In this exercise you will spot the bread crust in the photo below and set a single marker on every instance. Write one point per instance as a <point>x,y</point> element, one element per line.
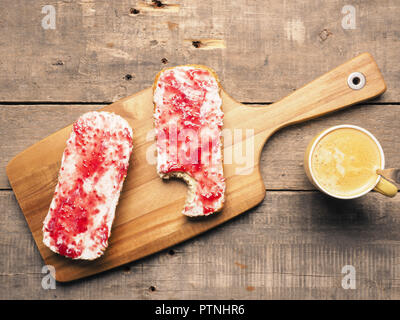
<point>190,181</point>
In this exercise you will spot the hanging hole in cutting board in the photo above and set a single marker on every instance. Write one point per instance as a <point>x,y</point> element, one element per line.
<point>356,80</point>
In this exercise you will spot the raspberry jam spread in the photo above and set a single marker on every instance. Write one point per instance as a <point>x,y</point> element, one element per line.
<point>94,165</point>
<point>188,122</point>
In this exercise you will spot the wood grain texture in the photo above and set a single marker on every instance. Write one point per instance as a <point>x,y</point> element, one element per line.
<point>292,246</point>
<point>295,243</point>
<point>144,226</point>
<point>263,50</point>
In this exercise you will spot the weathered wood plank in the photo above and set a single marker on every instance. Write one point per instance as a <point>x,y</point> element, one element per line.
<point>22,126</point>
<point>262,50</point>
<point>292,246</point>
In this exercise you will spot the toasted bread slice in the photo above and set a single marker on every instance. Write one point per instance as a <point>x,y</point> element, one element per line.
<point>93,168</point>
<point>188,120</point>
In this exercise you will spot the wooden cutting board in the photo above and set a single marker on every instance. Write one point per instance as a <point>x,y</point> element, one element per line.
<point>148,216</point>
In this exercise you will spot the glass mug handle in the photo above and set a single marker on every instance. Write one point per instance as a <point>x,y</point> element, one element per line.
<point>386,188</point>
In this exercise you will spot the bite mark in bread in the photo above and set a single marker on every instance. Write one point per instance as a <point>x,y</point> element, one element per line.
<point>188,120</point>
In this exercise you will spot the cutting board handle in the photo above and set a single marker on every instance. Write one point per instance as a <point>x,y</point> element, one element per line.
<point>354,81</point>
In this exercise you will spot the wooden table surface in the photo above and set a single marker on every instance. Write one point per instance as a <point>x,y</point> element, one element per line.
<point>293,245</point>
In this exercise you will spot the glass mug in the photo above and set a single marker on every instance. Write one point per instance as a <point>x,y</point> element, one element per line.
<point>341,161</point>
